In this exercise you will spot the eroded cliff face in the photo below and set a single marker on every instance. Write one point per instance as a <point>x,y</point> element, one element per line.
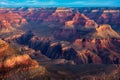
<point>10,20</point>
<point>53,50</point>
<point>81,20</point>
<point>61,15</point>
<point>89,18</point>
<point>99,50</point>
<point>105,16</point>
<point>38,15</point>
<point>109,17</point>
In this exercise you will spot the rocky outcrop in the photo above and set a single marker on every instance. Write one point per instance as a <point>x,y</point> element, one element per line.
<point>38,15</point>
<point>81,20</point>
<point>10,57</point>
<point>84,50</point>
<point>106,31</point>
<point>3,46</point>
<point>17,66</point>
<point>5,27</point>
<point>53,50</point>
<point>86,56</point>
<point>60,15</point>
<point>91,24</point>
<point>9,20</point>
<point>104,16</point>
<point>12,19</point>
<point>13,63</point>
<point>103,50</point>
<point>109,17</point>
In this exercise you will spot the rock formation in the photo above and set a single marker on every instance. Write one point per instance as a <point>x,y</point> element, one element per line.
<point>9,20</point>
<point>103,49</point>
<point>106,31</point>
<point>13,63</point>
<point>81,20</point>
<point>60,15</point>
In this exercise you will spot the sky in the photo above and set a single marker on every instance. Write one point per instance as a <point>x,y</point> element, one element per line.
<point>59,3</point>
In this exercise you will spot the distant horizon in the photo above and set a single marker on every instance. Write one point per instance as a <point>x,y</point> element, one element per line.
<point>62,7</point>
<point>58,3</point>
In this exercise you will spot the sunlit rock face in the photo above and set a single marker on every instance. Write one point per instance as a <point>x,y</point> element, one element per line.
<point>3,46</point>
<point>13,63</point>
<point>106,31</point>
<point>5,27</point>
<point>12,56</point>
<point>86,56</point>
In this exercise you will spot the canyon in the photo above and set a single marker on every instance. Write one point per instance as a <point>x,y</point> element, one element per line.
<point>51,43</point>
<point>16,65</point>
